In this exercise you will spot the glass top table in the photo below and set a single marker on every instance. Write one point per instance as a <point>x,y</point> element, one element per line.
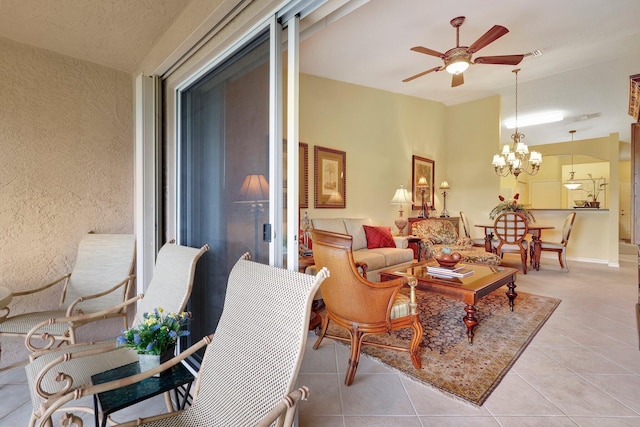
<point>114,400</point>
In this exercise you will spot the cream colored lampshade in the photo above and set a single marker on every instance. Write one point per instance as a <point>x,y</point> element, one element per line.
<point>254,189</point>
<point>401,197</point>
<point>444,185</point>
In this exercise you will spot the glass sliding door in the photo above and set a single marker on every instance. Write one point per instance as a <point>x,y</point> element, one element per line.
<point>223,174</point>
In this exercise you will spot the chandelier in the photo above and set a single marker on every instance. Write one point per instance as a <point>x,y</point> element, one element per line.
<point>516,158</point>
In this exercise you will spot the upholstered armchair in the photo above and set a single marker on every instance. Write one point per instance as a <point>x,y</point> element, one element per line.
<point>437,234</point>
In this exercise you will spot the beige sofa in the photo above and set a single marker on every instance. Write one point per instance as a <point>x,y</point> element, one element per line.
<point>377,259</point>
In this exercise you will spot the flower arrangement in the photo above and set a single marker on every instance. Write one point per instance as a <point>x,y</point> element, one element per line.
<point>596,187</point>
<point>512,206</point>
<point>156,333</point>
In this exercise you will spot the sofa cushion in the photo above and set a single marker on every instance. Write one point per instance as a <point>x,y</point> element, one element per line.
<point>378,237</point>
<point>354,227</point>
<point>393,256</point>
<point>374,260</point>
<point>335,225</point>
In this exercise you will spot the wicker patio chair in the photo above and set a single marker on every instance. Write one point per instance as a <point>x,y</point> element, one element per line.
<point>100,280</point>
<point>362,307</point>
<point>170,288</point>
<point>250,366</point>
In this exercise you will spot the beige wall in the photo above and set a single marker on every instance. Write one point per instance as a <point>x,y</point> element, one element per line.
<point>379,131</point>
<point>66,138</point>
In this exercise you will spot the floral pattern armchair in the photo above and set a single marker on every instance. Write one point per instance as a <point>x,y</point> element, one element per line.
<point>437,234</point>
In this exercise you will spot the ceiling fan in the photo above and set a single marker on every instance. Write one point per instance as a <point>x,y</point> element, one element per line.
<point>457,59</point>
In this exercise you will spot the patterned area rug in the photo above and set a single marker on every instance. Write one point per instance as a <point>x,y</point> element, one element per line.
<point>449,363</point>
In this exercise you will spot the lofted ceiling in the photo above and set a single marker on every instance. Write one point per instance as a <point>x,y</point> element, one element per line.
<point>589,49</point>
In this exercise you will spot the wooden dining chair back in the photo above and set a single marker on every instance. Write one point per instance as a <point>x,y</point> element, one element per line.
<point>561,247</point>
<point>511,228</point>
<point>360,306</point>
<point>101,278</point>
<point>250,365</point>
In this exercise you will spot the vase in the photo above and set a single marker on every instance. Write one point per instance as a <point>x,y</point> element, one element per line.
<point>594,205</point>
<point>150,361</point>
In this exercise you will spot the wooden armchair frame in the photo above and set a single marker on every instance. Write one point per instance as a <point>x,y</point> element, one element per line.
<point>359,306</point>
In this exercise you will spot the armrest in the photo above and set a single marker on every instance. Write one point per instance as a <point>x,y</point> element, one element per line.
<point>126,283</point>
<point>42,288</point>
<point>72,321</point>
<point>51,406</point>
<point>402,242</point>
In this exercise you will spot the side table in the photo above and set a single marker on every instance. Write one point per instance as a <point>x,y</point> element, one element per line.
<point>415,240</point>
<point>177,378</point>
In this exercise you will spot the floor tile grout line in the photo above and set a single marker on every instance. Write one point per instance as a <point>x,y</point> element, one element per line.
<point>609,394</point>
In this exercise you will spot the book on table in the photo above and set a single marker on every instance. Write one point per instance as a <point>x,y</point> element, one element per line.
<point>461,271</point>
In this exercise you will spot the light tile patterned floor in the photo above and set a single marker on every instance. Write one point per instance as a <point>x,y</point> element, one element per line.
<point>582,369</point>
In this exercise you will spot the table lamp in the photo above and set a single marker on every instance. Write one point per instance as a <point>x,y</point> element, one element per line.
<point>401,197</point>
<point>423,185</point>
<point>444,185</point>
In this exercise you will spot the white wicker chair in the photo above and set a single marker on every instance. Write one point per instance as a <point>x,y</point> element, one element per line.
<point>250,366</point>
<point>170,288</point>
<point>100,280</point>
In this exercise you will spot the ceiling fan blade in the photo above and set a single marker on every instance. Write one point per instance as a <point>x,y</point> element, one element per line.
<point>408,79</point>
<point>457,80</point>
<point>490,36</point>
<point>502,60</point>
<point>427,51</point>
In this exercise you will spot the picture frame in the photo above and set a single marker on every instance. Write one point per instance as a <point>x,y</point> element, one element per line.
<point>422,167</point>
<point>330,175</point>
<point>303,175</point>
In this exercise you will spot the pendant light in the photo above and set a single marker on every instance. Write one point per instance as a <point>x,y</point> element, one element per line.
<point>571,184</point>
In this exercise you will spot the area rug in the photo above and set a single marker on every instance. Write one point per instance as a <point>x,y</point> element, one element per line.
<point>449,363</point>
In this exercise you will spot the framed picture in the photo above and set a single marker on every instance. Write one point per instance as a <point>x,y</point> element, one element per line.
<point>330,174</point>
<point>303,175</point>
<point>422,170</point>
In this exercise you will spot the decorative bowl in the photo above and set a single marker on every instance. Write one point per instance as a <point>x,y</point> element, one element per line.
<point>580,203</point>
<point>447,263</point>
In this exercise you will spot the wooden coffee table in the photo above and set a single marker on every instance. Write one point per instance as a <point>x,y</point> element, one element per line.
<point>484,280</point>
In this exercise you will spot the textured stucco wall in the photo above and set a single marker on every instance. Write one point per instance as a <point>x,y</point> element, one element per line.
<point>66,163</point>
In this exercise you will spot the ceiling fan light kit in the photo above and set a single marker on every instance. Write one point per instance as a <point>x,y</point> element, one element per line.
<point>458,59</point>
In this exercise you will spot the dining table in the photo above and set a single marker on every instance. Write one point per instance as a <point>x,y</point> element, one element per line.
<point>535,230</point>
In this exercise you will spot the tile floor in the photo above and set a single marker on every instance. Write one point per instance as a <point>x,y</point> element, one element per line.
<point>582,369</point>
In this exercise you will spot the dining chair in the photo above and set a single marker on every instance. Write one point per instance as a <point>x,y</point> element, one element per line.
<point>100,279</point>
<point>561,247</point>
<point>360,306</point>
<point>511,228</point>
<point>250,365</point>
<point>478,242</point>
<point>52,373</point>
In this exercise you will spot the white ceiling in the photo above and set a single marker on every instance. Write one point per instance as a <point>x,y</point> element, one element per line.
<point>590,47</point>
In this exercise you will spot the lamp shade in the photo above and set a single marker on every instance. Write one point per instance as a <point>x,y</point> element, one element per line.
<point>444,185</point>
<point>255,188</point>
<point>422,182</point>
<point>402,197</point>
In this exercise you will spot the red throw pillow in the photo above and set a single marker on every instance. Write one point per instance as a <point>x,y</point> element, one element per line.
<point>379,237</point>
